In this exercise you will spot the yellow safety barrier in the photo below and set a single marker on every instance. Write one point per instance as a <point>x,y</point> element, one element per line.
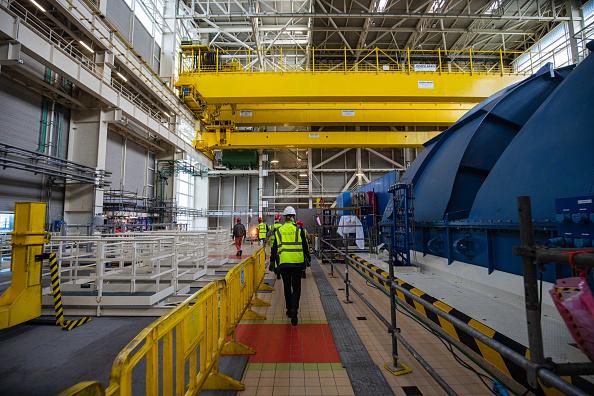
<point>194,333</point>
<point>22,300</point>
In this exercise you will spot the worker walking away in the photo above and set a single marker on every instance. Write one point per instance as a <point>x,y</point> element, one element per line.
<point>290,247</point>
<point>307,263</point>
<point>277,224</point>
<point>238,234</point>
<point>262,232</point>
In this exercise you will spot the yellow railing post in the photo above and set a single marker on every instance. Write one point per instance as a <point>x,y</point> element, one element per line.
<point>501,60</point>
<point>376,61</point>
<point>531,66</point>
<point>408,58</point>
<point>250,60</point>
<point>217,65</point>
<point>22,300</point>
<point>345,61</point>
<point>313,59</point>
<point>470,54</point>
<point>281,60</point>
<point>439,55</point>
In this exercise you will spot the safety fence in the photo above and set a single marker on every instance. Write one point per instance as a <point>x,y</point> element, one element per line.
<point>345,60</point>
<point>191,336</point>
<point>133,269</point>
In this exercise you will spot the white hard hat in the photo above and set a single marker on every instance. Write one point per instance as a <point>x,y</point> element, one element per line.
<point>289,210</point>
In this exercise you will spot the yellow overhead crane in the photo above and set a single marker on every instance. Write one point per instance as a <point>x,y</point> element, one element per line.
<point>380,87</point>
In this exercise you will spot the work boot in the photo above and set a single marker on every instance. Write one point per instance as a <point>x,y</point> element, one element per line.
<point>278,275</point>
<point>240,253</point>
<point>293,316</point>
<point>303,274</point>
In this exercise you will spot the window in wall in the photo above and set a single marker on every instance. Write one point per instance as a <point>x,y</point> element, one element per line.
<point>554,48</point>
<point>6,222</point>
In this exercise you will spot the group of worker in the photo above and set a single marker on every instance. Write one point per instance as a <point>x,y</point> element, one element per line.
<point>289,255</point>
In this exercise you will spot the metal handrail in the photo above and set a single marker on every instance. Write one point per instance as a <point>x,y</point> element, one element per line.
<point>202,321</point>
<point>66,47</point>
<point>345,60</point>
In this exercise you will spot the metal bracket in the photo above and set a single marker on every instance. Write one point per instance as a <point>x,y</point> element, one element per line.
<point>41,257</point>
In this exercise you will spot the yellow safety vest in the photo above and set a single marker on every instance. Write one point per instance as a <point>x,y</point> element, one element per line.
<point>262,230</point>
<point>289,244</point>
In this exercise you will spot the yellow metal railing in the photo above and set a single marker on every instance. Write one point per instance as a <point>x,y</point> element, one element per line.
<point>345,60</point>
<point>193,334</point>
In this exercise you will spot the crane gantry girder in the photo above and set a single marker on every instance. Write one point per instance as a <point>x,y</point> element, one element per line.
<point>352,139</point>
<point>326,113</point>
<point>316,87</point>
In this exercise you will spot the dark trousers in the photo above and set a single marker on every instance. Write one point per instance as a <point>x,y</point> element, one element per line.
<point>292,283</point>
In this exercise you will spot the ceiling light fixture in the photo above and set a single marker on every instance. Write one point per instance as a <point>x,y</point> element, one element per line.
<point>37,5</point>
<point>121,76</point>
<point>86,46</point>
<point>303,175</point>
<point>274,161</point>
<point>167,115</point>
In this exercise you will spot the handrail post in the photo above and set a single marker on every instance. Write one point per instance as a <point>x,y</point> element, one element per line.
<point>470,54</point>
<point>217,65</point>
<point>313,59</point>
<point>532,303</point>
<point>376,61</point>
<point>439,55</point>
<point>250,60</point>
<point>345,61</point>
<point>408,58</point>
<point>281,65</point>
<point>199,60</point>
<point>501,60</point>
<point>346,269</point>
<point>531,66</point>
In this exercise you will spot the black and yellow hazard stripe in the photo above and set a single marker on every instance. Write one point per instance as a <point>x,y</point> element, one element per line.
<point>68,324</point>
<point>506,366</point>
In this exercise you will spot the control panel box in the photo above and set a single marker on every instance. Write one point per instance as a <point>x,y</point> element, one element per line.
<point>575,220</point>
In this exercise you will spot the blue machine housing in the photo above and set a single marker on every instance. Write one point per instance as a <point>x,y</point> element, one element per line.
<point>533,138</point>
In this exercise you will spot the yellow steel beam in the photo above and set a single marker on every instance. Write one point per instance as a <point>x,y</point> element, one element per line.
<point>298,114</point>
<point>218,88</point>
<point>266,140</point>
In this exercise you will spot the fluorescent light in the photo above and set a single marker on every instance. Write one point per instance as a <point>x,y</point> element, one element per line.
<point>121,76</point>
<point>87,47</point>
<point>303,175</point>
<point>274,161</point>
<point>359,174</point>
<point>167,115</point>
<point>37,5</point>
<point>298,32</point>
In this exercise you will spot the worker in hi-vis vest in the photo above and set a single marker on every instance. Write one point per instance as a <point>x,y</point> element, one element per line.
<point>277,224</point>
<point>300,223</point>
<point>290,247</point>
<point>262,232</point>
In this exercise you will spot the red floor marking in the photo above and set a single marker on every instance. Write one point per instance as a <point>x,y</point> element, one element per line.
<point>283,343</point>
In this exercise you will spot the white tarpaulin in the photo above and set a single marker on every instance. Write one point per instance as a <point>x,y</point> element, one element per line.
<point>352,225</point>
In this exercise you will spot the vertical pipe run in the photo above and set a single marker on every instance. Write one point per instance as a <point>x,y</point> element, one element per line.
<point>530,289</point>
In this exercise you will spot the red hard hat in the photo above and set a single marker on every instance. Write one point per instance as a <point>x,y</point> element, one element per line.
<point>277,217</point>
<point>238,219</point>
<point>299,222</point>
<point>259,219</point>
